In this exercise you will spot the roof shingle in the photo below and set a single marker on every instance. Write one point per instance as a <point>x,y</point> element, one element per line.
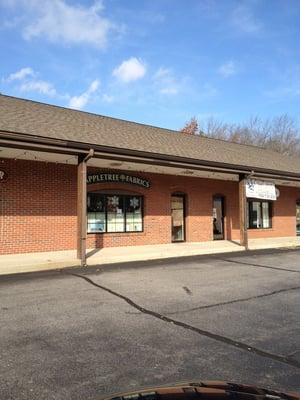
<point>43,120</point>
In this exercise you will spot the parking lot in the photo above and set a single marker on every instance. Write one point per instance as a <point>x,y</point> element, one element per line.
<point>85,333</point>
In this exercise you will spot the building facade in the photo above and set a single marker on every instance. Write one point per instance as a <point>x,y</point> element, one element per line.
<point>39,209</point>
<point>62,193</point>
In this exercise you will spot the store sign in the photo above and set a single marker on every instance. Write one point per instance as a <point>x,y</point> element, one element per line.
<point>3,176</point>
<point>260,189</point>
<point>112,177</point>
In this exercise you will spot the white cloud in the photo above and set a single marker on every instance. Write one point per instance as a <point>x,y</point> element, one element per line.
<point>162,73</point>
<point>107,98</point>
<point>130,70</point>
<point>62,22</point>
<point>227,69</point>
<point>169,90</point>
<point>39,86</point>
<point>80,101</point>
<point>284,92</point>
<point>28,82</point>
<point>166,82</point>
<point>245,21</point>
<point>20,75</point>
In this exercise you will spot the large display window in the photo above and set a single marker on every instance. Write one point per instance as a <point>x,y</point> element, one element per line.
<point>114,213</point>
<point>259,214</point>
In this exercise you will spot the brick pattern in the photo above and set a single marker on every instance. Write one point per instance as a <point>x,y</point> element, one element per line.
<point>38,209</point>
<point>283,215</point>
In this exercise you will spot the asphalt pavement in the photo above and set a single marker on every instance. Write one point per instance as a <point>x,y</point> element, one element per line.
<point>85,333</point>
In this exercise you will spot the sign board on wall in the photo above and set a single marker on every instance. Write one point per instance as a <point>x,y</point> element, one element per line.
<point>113,177</point>
<point>260,189</point>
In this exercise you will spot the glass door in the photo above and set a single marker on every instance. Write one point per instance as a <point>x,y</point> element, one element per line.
<point>218,218</point>
<point>177,214</point>
<point>298,218</point>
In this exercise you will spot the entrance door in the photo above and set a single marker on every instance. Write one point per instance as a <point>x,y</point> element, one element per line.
<point>218,217</point>
<point>177,214</point>
<point>298,218</point>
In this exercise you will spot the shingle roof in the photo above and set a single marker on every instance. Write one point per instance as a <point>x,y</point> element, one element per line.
<point>43,120</point>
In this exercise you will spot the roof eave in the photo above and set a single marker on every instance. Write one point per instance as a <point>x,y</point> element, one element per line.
<point>40,143</point>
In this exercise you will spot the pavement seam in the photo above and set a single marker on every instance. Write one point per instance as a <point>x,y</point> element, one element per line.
<point>219,338</point>
<point>257,265</point>
<point>234,301</point>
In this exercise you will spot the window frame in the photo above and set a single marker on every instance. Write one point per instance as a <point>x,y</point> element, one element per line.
<point>124,196</point>
<point>249,212</point>
<point>183,196</point>
<point>297,205</point>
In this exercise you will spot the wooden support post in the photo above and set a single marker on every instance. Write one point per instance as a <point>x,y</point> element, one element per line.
<point>243,212</point>
<point>81,206</point>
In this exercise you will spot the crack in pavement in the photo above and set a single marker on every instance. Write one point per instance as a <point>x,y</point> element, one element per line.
<point>234,301</point>
<point>294,353</point>
<point>219,338</point>
<point>257,265</point>
<point>226,302</point>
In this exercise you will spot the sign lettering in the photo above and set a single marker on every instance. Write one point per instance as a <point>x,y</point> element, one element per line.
<point>112,177</point>
<point>260,189</point>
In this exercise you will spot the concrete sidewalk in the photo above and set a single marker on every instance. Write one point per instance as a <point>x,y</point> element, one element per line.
<point>18,263</point>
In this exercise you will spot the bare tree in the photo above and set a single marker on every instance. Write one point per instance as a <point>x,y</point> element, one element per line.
<point>280,133</point>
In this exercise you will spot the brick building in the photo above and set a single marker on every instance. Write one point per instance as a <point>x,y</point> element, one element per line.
<point>74,180</point>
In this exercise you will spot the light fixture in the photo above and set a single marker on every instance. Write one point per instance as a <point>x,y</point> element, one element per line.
<point>188,172</point>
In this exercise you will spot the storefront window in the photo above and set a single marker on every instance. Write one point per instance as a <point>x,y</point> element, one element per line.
<point>134,220</point>
<point>114,213</point>
<point>298,218</point>
<point>259,214</point>
<point>96,213</point>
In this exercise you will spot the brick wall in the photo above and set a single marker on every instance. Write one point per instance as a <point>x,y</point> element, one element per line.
<point>38,209</point>
<point>283,215</point>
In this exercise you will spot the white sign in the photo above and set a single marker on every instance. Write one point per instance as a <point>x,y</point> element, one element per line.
<point>260,189</point>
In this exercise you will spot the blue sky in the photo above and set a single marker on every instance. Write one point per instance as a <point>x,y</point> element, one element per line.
<point>154,61</point>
